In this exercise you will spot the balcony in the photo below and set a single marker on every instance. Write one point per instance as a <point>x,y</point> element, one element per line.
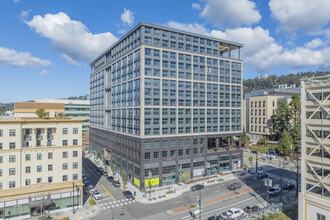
<point>27,137</point>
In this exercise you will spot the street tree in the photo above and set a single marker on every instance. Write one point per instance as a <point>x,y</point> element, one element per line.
<point>285,143</point>
<point>245,138</point>
<point>281,119</point>
<point>295,106</point>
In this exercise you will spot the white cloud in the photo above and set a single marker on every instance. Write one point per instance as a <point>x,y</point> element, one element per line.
<point>127,17</point>
<point>24,14</point>
<point>70,37</point>
<point>314,43</point>
<point>44,73</point>
<point>17,1</point>
<point>196,6</point>
<point>11,57</point>
<point>260,51</point>
<point>307,15</point>
<point>231,13</point>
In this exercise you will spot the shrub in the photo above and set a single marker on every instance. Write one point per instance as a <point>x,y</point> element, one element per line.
<point>43,217</point>
<point>92,202</point>
<point>219,180</point>
<point>169,192</point>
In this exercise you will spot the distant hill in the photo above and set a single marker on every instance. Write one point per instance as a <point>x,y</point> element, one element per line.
<point>273,80</point>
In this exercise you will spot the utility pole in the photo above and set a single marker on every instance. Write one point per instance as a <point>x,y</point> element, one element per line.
<point>267,190</point>
<point>281,167</point>
<point>200,205</point>
<point>256,160</point>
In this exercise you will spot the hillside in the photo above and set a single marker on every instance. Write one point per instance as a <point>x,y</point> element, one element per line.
<point>273,80</point>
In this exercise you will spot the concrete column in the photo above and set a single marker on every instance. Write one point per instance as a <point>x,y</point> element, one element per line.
<point>229,141</point>
<point>217,144</point>
<point>239,141</point>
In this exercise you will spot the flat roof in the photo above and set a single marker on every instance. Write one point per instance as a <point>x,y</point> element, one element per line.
<point>164,28</point>
<point>41,120</point>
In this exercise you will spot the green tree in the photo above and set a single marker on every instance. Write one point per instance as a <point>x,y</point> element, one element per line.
<point>263,141</point>
<point>285,143</point>
<point>295,106</point>
<point>112,168</point>
<point>41,113</point>
<point>123,176</point>
<point>295,134</point>
<point>244,139</point>
<point>281,119</point>
<point>3,110</point>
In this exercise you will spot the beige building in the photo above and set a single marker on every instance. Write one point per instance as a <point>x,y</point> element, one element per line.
<point>314,199</point>
<point>40,165</point>
<point>28,109</point>
<point>261,109</point>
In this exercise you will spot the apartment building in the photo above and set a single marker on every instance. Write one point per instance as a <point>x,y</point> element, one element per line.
<point>25,110</point>
<point>75,109</point>
<point>314,199</point>
<point>260,106</point>
<point>40,165</point>
<point>166,104</point>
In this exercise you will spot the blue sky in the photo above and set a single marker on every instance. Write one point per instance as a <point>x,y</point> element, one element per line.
<point>46,46</point>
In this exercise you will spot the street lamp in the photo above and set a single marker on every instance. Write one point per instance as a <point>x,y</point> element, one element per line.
<point>72,197</point>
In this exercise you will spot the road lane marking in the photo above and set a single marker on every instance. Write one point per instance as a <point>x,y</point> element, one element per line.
<point>177,202</point>
<point>108,193</point>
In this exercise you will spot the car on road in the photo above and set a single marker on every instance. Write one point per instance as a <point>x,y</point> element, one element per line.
<point>87,183</point>
<point>197,187</point>
<point>215,217</point>
<point>234,186</point>
<point>128,194</point>
<point>234,213</point>
<point>100,169</point>
<point>249,209</point>
<point>116,183</point>
<point>104,173</point>
<point>288,186</point>
<point>110,179</point>
<point>96,195</point>
<point>274,191</point>
<point>262,175</point>
<point>223,216</point>
<point>252,171</point>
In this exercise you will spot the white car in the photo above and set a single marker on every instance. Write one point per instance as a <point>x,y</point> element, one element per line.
<point>234,213</point>
<point>274,191</point>
<point>97,195</point>
<point>277,186</point>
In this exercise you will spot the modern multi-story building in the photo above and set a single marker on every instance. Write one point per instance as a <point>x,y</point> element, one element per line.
<point>166,104</point>
<point>260,106</point>
<point>40,165</point>
<point>75,109</point>
<point>314,199</point>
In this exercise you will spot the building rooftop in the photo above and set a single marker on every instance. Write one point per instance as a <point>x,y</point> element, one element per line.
<point>65,101</point>
<point>164,28</point>
<point>41,120</point>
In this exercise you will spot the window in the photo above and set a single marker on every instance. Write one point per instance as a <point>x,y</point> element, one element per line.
<point>12,184</point>
<point>50,179</point>
<point>39,156</point>
<point>12,132</point>
<point>0,146</point>
<point>164,154</point>
<point>65,178</point>
<point>64,131</point>
<point>180,152</point>
<point>50,155</point>
<point>27,182</point>
<point>12,145</point>
<point>75,142</point>
<point>0,172</point>
<point>320,216</point>
<point>173,153</point>
<point>1,133</point>
<point>156,154</point>
<point>50,167</point>
<point>65,154</point>
<point>147,155</point>
<point>75,153</point>
<point>39,180</point>
<point>75,130</point>
<point>39,168</point>
<point>12,158</point>
<point>65,142</point>
<point>75,165</point>
<point>12,171</point>
<point>74,176</point>
<point>0,159</point>
<point>187,151</point>
<point>65,166</point>
<point>27,169</point>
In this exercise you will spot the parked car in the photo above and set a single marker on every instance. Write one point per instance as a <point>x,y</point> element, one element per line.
<point>197,187</point>
<point>234,186</point>
<point>235,213</point>
<point>274,191</point>
<point>90,186</point>
<point>214,218</point>
<point>288,186</point>
<point>252,171</point>
<point>104,173</point>
<point>128,194</point>
<point>277,186</point>
<point>262,175</point>
<point>87,183</point>
<point>110,179</point>
<point>97,195</point>
<point>223,216</point>
<point>116,183</point>
<point>100,169</point>
<point>249,209</point>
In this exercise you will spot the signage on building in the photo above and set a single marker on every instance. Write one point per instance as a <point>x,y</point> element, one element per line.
<point>136,181</point>
<point>152,182</point>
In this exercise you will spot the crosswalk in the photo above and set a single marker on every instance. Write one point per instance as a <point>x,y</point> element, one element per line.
<point>285,179</point>
<point>115,204</point>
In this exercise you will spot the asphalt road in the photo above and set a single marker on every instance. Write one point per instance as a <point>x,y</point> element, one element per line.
<point>115,203</point>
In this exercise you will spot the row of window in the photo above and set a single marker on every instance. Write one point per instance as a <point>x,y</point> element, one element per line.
<point>172,153</point>
<point>12,184</point>
<point>256,120</point>
<point>256,112</point>
<point>256,128</point>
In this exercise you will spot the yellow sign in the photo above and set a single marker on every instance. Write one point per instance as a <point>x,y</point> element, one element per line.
<point>152,182</point>
<point>136,181</point>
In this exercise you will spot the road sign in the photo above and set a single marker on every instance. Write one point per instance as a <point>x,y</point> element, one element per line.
<point>270,183</point>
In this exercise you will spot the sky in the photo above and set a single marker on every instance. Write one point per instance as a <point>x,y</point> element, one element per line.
<point>46,45</point>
